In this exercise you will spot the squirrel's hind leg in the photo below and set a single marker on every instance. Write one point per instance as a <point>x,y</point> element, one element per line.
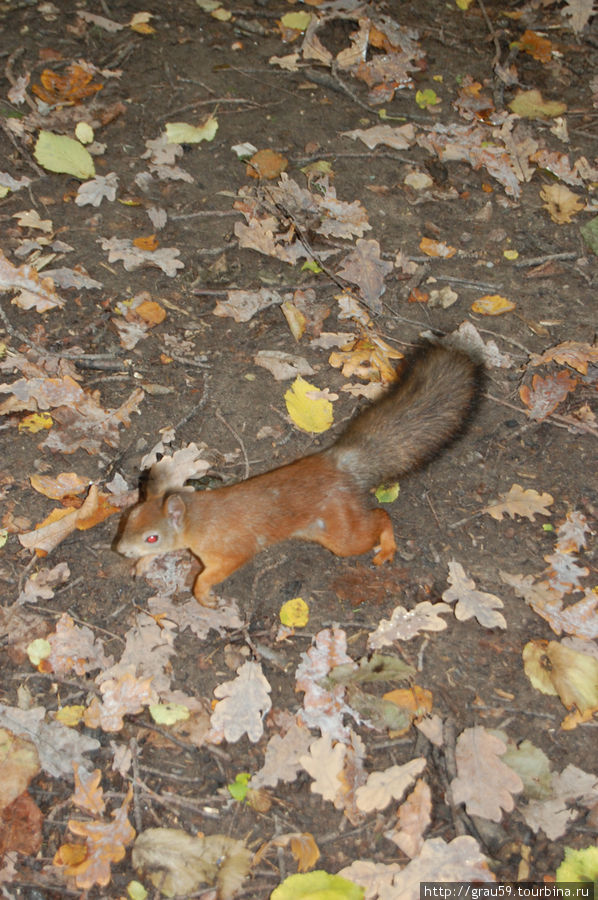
<point>357,533</point>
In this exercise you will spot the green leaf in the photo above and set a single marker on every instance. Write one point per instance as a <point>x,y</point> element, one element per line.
<point>578,865</point>
<point>58,153</point>
<point>238,789</point>
<point>387,493</point>
<point>318,885</point>
<point>427,98</point>
<point>312,266</point>
<point>589,232</point>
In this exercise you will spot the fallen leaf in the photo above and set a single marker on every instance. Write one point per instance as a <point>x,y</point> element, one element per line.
<point>484,783</point>
<point>472,603</point>
<point>242,704</point>
<point>546,394</point>
<point>382,787</point>
<point>266,164</point>
<point>520,502</point>
<point>531,105</point>
<point>62,154</point>
<point>561,203</point>
<point>492,305</point>
<point>309,413</point>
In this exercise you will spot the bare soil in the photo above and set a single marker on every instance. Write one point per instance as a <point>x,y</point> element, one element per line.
<point>213,392</point>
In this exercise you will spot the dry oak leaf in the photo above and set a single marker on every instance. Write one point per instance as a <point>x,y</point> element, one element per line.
<point>106,842</point>
<point>546,394</point>
<point>243,704</point>
<point>561,203</point>
<point>580,618</point>
<point>324,707</point>
<point>165,258</point>
<point>382,787</point>
<point>571,533</point>
<point>554,815</point>
<point>88,794</point>
<point>483,783</point>
<point>564,573</point>
<point>41,585</point>
<point>579,13</point>
<point>435,248</point>
<point>21,826</point>
<point>472,603</point>
<point>34,292</point>
<point>364,267</point>
<point>57,90</point>
<point>413,817</point>
<point>405,624</point>
<point>57,745</point>
<point>471,143</point>
<point>126,695</point>
<point>75,648</point>
<point>461,859</point>
<point>191,614</point>
<point>325,765</point>
<point>303,847</point>
<point>243,305</point>
<point>282,760</point>
<point>66,484</point>
<point>520,502</point>
<point>60,524</point>
<point>397,138</point>
<point>570,353</point>
<point>19,764</point>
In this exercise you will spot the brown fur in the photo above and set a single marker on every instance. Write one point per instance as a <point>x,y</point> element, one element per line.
<point>323,497</point>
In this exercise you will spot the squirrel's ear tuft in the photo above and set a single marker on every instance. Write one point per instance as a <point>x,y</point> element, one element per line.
<point>174,510</point>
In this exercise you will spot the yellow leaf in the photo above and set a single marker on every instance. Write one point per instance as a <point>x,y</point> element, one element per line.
<point>140,23</point>
<point>136,890</point>
<point>183,133</point>
<point>222,14</point>
<point>311,414</point>
<point>36,422</point>
<point>38,650</point>
<point>84,133</point>
<point>511,254</point>
<point>298,21</point>
<point>58,153</point>
<point>294,613</point>
<point>492,305</point>
<point>169,713</point>
<point>295,319</point>
<point>532,105</point>
<point>70,715</point>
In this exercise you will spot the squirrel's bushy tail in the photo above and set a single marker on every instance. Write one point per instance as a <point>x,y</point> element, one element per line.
<point>413,421</point>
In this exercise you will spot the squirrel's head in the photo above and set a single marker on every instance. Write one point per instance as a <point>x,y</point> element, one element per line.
<point>156,526</point>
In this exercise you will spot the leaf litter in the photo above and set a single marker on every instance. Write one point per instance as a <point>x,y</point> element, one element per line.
<point>215,289</point>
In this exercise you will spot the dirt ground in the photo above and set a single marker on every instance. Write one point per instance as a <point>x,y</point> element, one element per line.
<point>200,378</point>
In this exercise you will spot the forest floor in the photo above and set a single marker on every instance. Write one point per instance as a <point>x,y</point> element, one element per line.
<point>178,299</point>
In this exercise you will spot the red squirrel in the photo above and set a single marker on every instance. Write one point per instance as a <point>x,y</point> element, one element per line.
<point>324,497</point>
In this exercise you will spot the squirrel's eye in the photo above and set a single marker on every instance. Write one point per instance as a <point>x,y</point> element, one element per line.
<point>151,539</point>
